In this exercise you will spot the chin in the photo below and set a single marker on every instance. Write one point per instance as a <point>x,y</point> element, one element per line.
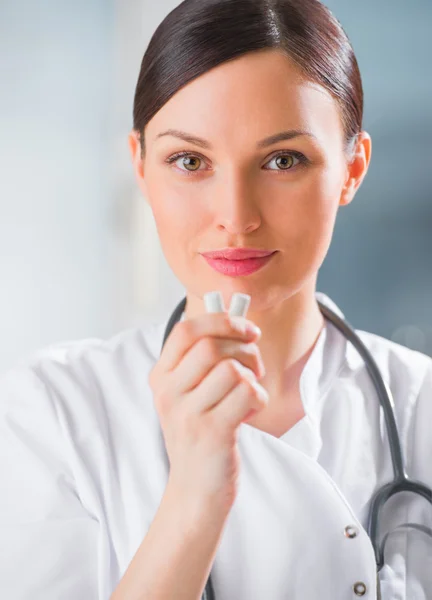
<point>263,294</point>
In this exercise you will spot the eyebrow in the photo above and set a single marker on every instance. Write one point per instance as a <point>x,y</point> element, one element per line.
<point>268,141</point>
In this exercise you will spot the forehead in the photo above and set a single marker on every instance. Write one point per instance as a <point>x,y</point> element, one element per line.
<point>248,98</point>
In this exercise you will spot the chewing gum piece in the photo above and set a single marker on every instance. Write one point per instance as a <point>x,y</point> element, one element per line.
<point>239,305</point>
<point>214,302</point>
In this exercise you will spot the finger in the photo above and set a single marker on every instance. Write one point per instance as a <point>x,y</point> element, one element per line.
<point>221,380</point>
<point>237,405</point>
<point>206,354</point>
<point>186,333</point>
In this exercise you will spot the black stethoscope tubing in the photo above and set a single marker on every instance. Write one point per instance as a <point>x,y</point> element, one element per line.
<point>401,482</point>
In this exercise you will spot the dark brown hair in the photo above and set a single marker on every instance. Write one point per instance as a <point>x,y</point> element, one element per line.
<point>199,35</point>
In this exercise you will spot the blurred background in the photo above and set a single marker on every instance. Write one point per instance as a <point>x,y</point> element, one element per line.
<point>79,254</point>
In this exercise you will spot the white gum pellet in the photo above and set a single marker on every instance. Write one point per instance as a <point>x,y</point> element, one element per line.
<point>214,302</point>
<point>239,305</point>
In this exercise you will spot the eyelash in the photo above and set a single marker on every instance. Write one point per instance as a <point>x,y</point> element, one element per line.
<point>300,157</point>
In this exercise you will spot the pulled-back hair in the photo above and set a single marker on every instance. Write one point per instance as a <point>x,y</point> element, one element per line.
<point>199,35</point>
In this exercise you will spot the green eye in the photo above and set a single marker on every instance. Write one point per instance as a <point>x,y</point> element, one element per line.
<point>285,161</point>
<point>191,161</point>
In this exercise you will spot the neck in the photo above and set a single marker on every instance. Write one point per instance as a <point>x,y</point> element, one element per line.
<point>290,331</point>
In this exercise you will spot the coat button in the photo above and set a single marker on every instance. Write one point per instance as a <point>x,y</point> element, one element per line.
<point>360,588</point>
<point>351,531</point>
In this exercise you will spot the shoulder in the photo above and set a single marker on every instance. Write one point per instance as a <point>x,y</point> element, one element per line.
<point>78,375</point>
<point>408,375</point>
<point>142,339</point>
<point>63,407</point>
<point>400,367</point>
<point>403,369</point>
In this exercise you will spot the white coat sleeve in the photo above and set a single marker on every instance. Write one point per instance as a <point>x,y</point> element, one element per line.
<point>48,542</point>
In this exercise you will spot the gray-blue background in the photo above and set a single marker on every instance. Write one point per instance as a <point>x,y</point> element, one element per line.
<point>379,267</point>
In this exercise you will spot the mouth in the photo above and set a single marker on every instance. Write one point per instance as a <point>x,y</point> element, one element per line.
<point>238,262</point>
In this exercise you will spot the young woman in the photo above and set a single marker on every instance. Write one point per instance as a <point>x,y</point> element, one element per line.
<point>133,469</point>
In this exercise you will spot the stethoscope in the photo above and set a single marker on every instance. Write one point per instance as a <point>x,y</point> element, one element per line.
<point>400,483</point>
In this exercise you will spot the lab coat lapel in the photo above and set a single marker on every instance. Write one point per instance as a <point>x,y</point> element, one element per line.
<point>288,507</point>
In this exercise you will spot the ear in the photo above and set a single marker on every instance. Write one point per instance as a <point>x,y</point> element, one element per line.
<point>137,161</point>
<point>357,168</point>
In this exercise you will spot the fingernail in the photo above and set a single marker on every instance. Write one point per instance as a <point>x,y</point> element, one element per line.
<point>253,329</point>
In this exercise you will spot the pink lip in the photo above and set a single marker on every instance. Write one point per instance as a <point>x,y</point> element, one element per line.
<point>249,262</point>
<point>237,253</point>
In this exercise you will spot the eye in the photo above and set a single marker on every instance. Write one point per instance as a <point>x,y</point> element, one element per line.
<point>191,163</point>
<point>285,160</point>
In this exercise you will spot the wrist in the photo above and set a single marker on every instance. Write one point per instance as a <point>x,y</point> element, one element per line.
<point>192,510</point>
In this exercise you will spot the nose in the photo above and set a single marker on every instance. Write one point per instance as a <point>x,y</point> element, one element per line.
<point>235,206</point>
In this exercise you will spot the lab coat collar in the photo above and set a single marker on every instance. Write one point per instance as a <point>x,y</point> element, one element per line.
<point>325,361</point>
<point>324,364</point>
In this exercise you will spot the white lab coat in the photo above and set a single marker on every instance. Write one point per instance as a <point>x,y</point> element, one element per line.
<point>83,469</point>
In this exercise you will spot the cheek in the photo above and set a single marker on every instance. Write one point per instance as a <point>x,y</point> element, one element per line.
<point>323,204</point>
<point>177,216</point>
<point>305,215</point>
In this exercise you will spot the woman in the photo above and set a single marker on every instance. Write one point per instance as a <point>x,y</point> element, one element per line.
<point>248,454</point>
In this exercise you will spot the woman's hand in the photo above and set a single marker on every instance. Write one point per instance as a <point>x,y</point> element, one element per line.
<point>205,384</point>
